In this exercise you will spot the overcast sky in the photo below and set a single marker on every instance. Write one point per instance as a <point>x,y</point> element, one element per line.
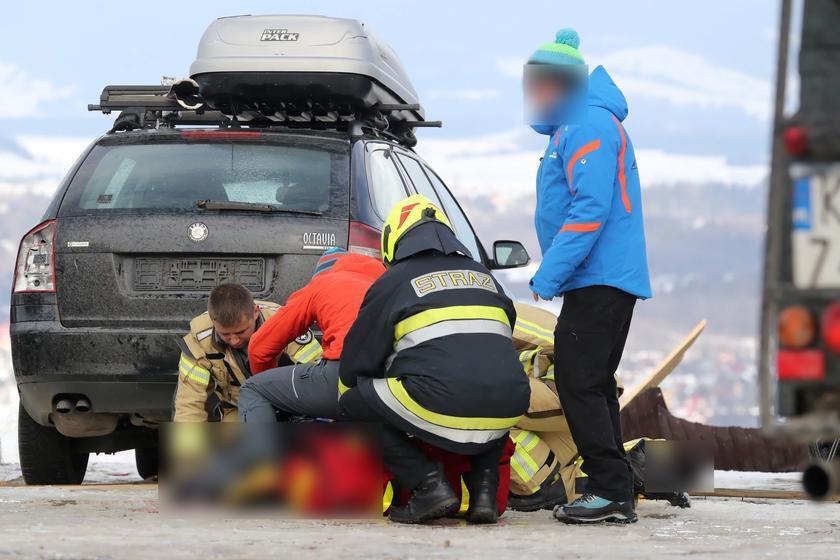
<point>697,75</point>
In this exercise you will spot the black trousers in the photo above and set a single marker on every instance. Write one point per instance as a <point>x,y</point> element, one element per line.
<point>588,343</point>
<point>400,453</point>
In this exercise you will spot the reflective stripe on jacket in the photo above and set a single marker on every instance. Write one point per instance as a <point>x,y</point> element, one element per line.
<point>432,342</point>
<point>209,375</point>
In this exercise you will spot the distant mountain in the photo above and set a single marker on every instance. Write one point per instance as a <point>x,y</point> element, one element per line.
<point>704,248</point>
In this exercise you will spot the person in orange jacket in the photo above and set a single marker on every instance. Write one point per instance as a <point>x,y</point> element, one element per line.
<point>331,299</point>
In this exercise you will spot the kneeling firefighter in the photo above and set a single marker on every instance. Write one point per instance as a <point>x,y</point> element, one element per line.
<point>214,361</point>
<point>430,356</point>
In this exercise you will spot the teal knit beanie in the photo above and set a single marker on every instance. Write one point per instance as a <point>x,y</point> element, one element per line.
<point>564,49</point>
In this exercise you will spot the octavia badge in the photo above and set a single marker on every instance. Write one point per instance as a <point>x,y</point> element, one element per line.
<point>198,232</point>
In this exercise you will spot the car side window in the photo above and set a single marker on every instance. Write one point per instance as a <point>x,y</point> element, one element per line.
<point>419,179</point>
<point>385,186</point>
<point>462,226</point>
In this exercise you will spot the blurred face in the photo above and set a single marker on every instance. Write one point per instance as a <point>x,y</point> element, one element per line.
<point>543,94</point>
<point>237,336</point>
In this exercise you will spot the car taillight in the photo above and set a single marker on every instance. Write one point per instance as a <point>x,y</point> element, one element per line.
<point>364,240</point>
<point>797,327</point>
<point>796,140</point>
<point>35,267</point>
<point>831,327</point>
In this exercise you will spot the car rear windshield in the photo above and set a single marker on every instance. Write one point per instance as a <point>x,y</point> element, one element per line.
<point>173,176</point>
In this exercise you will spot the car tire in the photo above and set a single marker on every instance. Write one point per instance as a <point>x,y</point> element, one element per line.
<point>146,459</point>
<point>46,456</point>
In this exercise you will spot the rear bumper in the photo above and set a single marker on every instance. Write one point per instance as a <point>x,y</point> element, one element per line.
<point>148,396</point>
<point>119,371</point>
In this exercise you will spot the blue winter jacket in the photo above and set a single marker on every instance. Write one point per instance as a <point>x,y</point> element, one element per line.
<point>589,204</point>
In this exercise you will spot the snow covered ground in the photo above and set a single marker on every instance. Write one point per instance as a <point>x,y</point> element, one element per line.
<point>124,521</point>
<point>115,515</point>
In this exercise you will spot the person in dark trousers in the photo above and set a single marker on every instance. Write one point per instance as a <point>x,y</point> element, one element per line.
<point>589,224</point>
<point>430,356</point>
<point>331,299</point>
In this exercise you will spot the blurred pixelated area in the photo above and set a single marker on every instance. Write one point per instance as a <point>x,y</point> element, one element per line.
<point>311,469</point>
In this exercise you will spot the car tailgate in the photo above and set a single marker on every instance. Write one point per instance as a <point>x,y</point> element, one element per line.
<point>155,270</point>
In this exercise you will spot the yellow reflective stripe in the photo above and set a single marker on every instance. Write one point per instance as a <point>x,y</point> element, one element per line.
<point>579,465</point>
<point>387,496</point>
<point>457,422</point>
<point>465,497</point>
<point>530,360</point>
<point>526,358</point>
<point>534,329</point>
<point>193,371</point>
<point>308,353</point>
<point>454,312</point>
<point>526,440</point>
<point>524,465</point>
<point>521,461</point>
<point>549,373</point>
<point>342,388</point>
<point>519,470</point>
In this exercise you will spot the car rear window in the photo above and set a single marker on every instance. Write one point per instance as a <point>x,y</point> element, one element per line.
<point>127,177</point>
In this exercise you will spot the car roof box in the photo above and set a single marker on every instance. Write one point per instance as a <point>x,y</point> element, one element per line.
<point>289,65</point>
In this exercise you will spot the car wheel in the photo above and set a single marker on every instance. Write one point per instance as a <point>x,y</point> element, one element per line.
<point>146,459</point>
<point>46,456</point>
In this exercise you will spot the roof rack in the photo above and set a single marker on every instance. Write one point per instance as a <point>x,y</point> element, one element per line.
<point>151,107</point>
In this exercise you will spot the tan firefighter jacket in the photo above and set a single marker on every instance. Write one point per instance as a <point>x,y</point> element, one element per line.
<point>210,374</point>
<point>545,450</point>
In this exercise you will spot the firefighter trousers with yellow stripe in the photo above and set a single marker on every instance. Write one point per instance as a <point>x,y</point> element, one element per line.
<point>542,459</point>
<point>401,453</point>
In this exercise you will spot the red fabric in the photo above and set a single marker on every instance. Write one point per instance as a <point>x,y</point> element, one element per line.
<point>456,466</point>
<point>332,298</point>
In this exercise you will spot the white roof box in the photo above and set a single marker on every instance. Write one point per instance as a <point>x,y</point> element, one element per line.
<point>299,63</point>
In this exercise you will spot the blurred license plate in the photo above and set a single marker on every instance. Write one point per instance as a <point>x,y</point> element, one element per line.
<point>189,274</point>
<point>816,229</point>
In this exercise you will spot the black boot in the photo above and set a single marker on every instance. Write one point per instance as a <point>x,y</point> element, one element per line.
<point>431,499</point>
<point>483,486</point>
<point>544,498</point>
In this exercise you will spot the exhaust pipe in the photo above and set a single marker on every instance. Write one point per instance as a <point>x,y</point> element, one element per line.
<point>82,405</point>
<point>64,406</point>
<point>821,480</point>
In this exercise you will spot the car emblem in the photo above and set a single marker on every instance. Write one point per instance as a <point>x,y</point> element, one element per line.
<point>198,232</point>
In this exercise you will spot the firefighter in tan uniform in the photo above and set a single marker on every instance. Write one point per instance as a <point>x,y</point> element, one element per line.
<point>214,355</point>
<point>545,467</point>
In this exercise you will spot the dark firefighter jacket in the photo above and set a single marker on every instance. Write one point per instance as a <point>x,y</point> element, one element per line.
<point>432,342</point>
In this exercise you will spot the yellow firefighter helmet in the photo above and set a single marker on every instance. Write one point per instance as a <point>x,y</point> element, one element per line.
<point>405,216</point>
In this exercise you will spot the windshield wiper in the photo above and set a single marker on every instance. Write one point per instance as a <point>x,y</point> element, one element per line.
<point>251,207</point>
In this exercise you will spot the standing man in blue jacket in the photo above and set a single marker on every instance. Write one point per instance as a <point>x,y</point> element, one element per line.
<point>590,228</point>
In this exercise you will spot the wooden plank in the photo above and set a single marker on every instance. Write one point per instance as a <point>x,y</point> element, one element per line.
<point>665,367</point>
<point>757,493</point>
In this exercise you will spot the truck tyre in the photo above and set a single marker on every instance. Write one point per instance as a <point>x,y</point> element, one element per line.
<point>46,456</point>
<point>146,459</point>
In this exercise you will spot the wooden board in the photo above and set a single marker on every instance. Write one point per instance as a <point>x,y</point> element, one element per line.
<point>757,493</point>
<point>665,367</point>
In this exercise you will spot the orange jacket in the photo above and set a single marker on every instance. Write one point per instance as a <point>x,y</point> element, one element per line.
<point>332,299</point>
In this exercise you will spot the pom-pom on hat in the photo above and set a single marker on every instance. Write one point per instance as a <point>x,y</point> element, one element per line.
<point>564,49</point>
